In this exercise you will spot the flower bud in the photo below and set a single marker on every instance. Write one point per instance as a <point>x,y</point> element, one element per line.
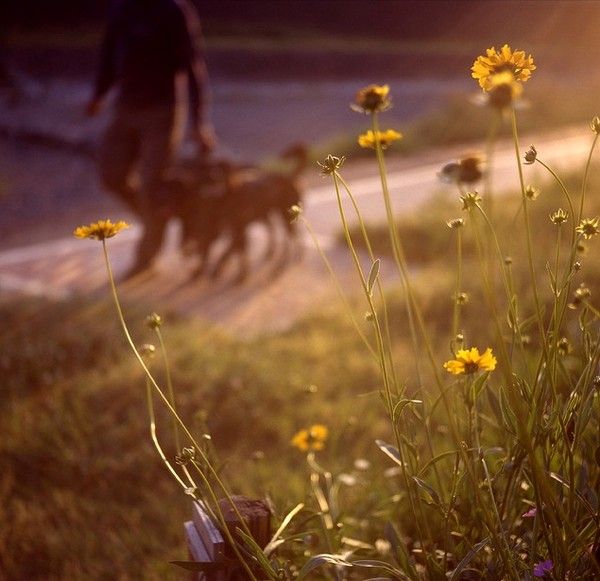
<point>331,164</point>
<point>153,321</point>
<point>147,350</point>
<point>187,455</point>
<point>455,223</point>
<point>294,212</point>
<point>530,155</point>
<point>532,192</point>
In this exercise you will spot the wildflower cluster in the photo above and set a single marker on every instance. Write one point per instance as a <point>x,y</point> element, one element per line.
<point>487,470</point>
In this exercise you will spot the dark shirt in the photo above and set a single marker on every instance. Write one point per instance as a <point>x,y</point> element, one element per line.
<point>146,44</point>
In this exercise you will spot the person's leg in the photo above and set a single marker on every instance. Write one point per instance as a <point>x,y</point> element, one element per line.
<point>154,129</point>
<point>117,156</point>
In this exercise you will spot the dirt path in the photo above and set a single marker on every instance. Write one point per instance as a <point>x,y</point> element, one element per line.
<point>66,267</point>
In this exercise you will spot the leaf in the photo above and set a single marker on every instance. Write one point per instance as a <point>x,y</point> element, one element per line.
<point>255,551</point>
<point>478,385</point>
<point>507,414</point>
<point>374,564</point>
<point>435,497</point>
<point>390,451</point>
<point>578,494</point>
<point>399,407</point>
<point>373,274</point>
<point>320,560</point>
<point>495,405</point>
<point>400,552</point>
<point>468,558</point>
<point>286,521</point>
<point>552,278</point>
<point>435,460</point>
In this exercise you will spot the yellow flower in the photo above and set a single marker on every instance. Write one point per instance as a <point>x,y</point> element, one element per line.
<point>373,98</point>
<point>504,60</point>
<point>100,230</point>
<point>559,217</point>
<point>312,438</point>
<point>469,361</point>
<point>588,227</point>
<point>385,138</point>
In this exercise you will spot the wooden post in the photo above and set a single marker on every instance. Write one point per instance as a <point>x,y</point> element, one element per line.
<point>206,543</point>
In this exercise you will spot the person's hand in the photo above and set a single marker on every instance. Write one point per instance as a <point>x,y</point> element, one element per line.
<point>93,107</point>
<point>206,139</point>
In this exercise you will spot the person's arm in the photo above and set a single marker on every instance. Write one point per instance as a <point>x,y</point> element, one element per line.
<point>197,75</point>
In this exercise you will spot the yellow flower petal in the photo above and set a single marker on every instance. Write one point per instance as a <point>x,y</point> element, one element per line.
<point>517,63</point>
<point>100,230</point>
<point>470,361</point>
<point>385,138</point>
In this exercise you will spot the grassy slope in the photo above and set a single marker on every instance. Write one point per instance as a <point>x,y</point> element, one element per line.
<point>81,486</point>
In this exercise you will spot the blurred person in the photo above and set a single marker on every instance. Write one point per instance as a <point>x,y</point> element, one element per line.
<point>150,49</point>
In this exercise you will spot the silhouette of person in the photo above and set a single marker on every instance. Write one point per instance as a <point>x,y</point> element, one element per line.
<point>150,47</point>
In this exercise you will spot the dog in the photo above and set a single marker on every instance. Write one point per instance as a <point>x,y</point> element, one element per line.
<point>228,199</point>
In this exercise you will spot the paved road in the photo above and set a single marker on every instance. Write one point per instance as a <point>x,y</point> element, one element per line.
<point>64,268</point>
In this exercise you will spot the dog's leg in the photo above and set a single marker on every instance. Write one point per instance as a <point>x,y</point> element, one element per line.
<point>272,238</point>
<point>223,259</point>
<point>240,243</point>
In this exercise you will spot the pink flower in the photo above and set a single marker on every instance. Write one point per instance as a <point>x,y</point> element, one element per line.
<point>530,513</point>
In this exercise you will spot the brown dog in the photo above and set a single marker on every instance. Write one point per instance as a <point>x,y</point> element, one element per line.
<point>247,195</point>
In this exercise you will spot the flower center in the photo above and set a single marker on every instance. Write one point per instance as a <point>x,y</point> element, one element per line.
<point>504,67</point>
<point>471,367</point>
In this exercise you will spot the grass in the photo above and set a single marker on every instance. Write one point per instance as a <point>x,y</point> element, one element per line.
<point>76,459</point>
<point>472,452</point>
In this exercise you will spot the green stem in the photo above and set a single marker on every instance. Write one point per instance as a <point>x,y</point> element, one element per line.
<point>155,438</point>
<point>397,249</point>
<point>585,177</point>
<point>457,306</point>
<point>170,390</point>
<point>338,287</point>
<point>380,347</point>
<point>365,235</point>
<point>564,190</point>
<point>534,288</point>
<point>166,400</point>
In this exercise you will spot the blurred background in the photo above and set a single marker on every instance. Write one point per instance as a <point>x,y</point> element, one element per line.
<point>281,72</point>
<point>81,487</point>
